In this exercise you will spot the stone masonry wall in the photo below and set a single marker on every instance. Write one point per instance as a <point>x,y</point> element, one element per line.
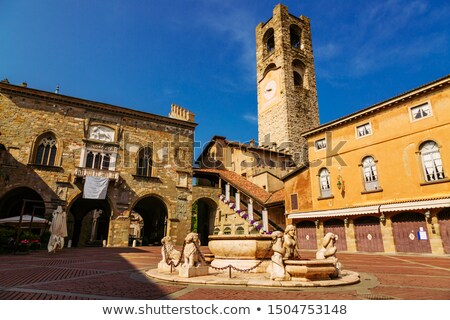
<point>25,114</point>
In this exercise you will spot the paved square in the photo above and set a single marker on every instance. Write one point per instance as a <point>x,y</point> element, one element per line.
<point>119,273</point>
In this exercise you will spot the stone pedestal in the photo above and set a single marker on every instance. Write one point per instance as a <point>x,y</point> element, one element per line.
<point>164,267</point>
<point>193,271</point>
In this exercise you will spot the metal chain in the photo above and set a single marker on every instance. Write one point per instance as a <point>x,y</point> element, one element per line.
<point>170,262</point>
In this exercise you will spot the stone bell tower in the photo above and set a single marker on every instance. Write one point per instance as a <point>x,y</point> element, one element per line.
<point>286,80</point>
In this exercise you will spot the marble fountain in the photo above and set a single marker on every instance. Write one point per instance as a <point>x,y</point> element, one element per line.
<point>267,260</point>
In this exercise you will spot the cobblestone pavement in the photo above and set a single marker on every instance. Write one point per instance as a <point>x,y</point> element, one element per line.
<point>119,273</point>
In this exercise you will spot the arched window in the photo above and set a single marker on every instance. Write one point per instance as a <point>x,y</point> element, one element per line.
<point>269,41</point>
<point>144,163</point>
<point>98,160</point>
<point>324,181</point>
<point>298,68</point>
<point>296,36</point>
<point>431,161</point>
<point>370,174</point>
<point>298,80</point>
<point>46,150</point>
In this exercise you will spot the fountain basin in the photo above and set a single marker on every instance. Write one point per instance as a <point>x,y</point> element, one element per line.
<point>241,251</point>
<point>312,269</point>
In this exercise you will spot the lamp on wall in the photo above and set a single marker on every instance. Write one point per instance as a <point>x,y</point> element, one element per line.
<point>317,223</point>
<point>382,218</point>
<point>340,183</point>
<point>428,218</point>
<point>346,221</point>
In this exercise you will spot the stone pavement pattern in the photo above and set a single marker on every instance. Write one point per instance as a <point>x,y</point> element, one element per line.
<point>119,273</point>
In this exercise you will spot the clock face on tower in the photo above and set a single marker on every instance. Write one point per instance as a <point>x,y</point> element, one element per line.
<point>270,89</point>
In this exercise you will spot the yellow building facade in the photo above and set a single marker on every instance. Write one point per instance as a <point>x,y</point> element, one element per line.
<point>379,178</point>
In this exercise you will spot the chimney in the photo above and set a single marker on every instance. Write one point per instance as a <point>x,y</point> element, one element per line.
<point>24,84</point>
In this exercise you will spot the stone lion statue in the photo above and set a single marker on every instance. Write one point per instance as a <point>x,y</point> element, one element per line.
<point>191,256</point>
<point>168,251</point>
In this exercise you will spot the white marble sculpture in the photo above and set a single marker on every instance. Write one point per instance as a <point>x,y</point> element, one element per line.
<point>290,242</point>
<point>328,251</point>
<point>168,251</point>
<point>192,266</point>
<point>191,257</point>
<point>276,268</point>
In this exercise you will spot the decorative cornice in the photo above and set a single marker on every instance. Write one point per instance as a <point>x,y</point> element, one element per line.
<point>422,90</point>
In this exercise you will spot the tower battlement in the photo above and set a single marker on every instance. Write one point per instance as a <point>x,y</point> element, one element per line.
<point>181,113</point>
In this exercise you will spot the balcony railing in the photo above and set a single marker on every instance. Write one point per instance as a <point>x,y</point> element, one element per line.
<point>83,172</point>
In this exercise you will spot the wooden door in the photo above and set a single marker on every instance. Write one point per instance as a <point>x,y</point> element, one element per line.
<point>368,234</point>
<point>337,227</point>
<point>306,235</point>
<point>444,226</point>
<point>406,227</point>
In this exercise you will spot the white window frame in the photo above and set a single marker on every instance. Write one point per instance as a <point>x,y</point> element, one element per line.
<point>370,174</point>
<point>324,140</point>
<point>430,113</point>
<point>369,124</point>
<point>324,183</point>
<point>431,160</point>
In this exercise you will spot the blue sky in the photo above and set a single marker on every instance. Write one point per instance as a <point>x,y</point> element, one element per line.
<point>200,54</point>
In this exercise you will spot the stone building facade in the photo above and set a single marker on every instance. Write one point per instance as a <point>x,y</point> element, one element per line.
<point>50,144</point>
<point>286,82</point>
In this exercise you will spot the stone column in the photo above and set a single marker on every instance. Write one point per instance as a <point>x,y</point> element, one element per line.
<point>265,220</point>
<point>237,196</point>
<point>227,192</point>
<point>250,209</point>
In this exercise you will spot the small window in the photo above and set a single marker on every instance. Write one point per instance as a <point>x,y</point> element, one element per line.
<point>227,230</point>
<point>320,144</point>
<point>239,230</point>
<point>324,180</point>
<point>144,162</point>
<point>370,174</point>
<point>431,161</point>
<point>294,201</point>
<point>295,33</point>
<point>363,130</point>
<point>420,112</point>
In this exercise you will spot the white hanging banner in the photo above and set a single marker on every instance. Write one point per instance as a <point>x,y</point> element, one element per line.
<point>95,187</point>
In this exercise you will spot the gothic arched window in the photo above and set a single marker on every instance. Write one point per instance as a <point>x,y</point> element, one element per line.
<point>431,161</point>
<point>46,150</point>
<point>144,162</point>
